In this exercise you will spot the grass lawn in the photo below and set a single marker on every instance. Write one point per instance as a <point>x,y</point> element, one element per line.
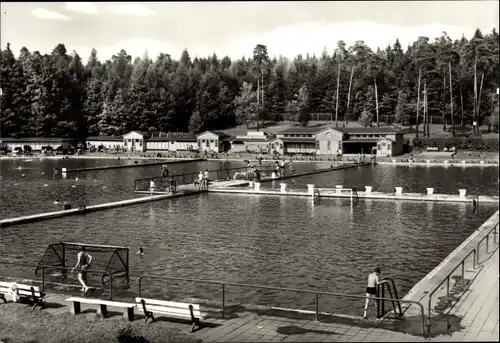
<point>19,324</point>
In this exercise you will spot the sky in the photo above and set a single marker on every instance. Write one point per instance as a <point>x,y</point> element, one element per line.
<point>235,28</point>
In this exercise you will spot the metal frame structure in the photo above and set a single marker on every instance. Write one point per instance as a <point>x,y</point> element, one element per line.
<point>112,249</point>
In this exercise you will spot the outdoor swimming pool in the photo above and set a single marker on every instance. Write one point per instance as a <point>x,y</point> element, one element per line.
<point>326,244</point>
<point>25,190</point>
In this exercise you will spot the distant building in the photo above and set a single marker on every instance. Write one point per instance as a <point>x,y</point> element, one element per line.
<point>175,141</point>
<point>135,141</point>
<point>365,139</point>
<point>253,141</point>
<point>38,143</point>
<point>296,140</point>
<point>332,140</point>
<point>108,142</point>
<point>215,141</point>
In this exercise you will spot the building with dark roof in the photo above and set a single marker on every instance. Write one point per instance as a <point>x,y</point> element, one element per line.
<point>213,141</point>
<point>327,140</point>
<point>253,141</point>
<point>37,143</point>
<point>172,141</point>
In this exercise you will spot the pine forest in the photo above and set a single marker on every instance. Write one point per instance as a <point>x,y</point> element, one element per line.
<point>443,81</point>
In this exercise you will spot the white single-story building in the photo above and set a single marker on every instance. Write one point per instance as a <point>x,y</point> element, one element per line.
<point>215,141</point>
<point>253,141</point>
<point>175,141</point>
<point>385,147</point>
<point>135,141</point>
<point>37,143</point>
<point>108,142</point>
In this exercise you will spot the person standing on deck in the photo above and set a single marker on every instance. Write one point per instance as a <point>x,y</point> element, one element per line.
<point>206,176</point>
<point>83,264</point>
<point>165,172</point>
<point>371,288</point>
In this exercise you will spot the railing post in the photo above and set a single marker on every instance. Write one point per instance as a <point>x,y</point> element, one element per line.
<point>223,299</point>
<point>43,279</point>
<point>463,275</point>
<point>487,242</point>
<point>495,235</point>
<point>140,282</point>
<point>429,315</point>
<point>423,319</point>
<point>448,291</point>
<point>474,260</point>
<point>478,251</point>
<point>110,286</point>
<point>317,306</point>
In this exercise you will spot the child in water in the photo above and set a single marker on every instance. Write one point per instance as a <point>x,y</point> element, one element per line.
<point>140,251</point>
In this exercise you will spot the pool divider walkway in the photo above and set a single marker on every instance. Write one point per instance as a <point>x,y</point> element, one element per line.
<point>332,193</point>
<point>116,166</point>
<point>154,196</point>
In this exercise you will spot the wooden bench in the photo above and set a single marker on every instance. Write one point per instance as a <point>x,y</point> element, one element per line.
<point>32,293</point>
<point>432,148</point>
<point>5,288</point>
<point>171,309</point>
<point>128,308</point>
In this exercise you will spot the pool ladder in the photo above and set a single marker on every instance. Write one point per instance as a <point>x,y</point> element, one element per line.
<point>388,285</point>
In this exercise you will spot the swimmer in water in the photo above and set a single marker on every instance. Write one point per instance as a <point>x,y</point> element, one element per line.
<point>57,201</point>
<point>140,251</point>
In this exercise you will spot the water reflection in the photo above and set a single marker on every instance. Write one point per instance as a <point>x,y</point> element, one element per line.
<point>430,207</point>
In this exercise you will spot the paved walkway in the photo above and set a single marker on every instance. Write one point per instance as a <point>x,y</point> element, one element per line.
<point>474,318</point>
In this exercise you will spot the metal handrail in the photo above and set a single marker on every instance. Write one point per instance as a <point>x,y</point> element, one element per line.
<point>190,177</point>
<point>388,282</point>
<point>317,293</point>
<point>192,173</point>
<point>447,279</point>
<point>487,237</point>
<point>43,267</point>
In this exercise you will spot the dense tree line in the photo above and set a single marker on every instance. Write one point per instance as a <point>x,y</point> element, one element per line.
<point>58,95</point>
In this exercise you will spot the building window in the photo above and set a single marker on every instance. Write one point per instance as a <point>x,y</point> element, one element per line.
<point>137,140</point>
<point>203,141</point>
<point>317,145</point>
<point>140,142</point>
<point>125,142</point>
<point>328,145</point>
<point>281,146</point>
